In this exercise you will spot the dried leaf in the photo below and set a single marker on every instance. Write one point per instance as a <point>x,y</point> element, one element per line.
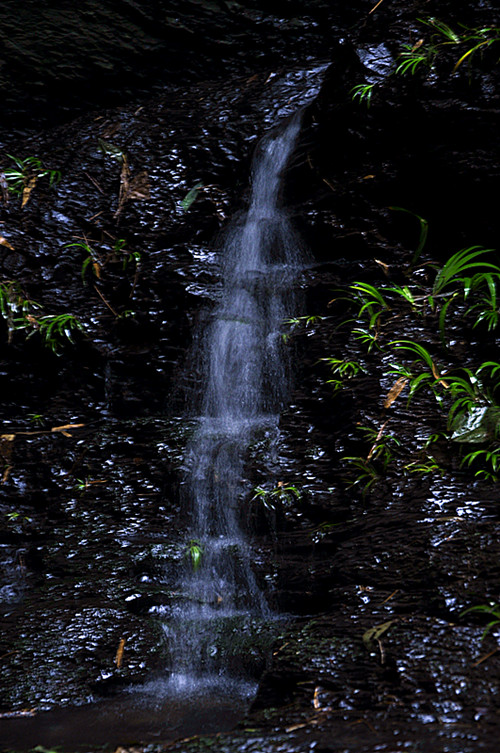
<point>27,190</point>
<point>385,267</point>
<point>138,189</point>
<point>124,186</point>
<point>395,391</point>
<point>4,188</point>
<point>5,242</point>
<point>119,653</point>
<point>316,702</point>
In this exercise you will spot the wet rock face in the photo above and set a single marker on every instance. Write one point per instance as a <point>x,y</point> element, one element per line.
<point>64,59</point>
<point>92,531</point>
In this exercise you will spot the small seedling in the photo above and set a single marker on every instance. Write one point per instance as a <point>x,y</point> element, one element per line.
<point>195,553</point>
<point>28,171</point>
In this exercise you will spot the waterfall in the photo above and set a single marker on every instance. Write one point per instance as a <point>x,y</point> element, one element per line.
<point>245,384</point>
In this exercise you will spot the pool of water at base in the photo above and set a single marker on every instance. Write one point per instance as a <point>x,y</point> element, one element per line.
<point>158,711</point>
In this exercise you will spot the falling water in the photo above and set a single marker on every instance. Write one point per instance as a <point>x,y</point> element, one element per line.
<point>245,377</point>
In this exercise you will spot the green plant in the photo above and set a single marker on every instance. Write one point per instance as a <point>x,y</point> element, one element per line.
<point>363,93</point>
<point>195,554</point>
<point>474,37</point>
<point>427,465</point>
<point>17,517</point>
<point>369,338</point>
<point>492,610</point>
<point>301,321</point>
<point>424,231</point>
<point>452,272</point>
<point>487,308</point>
<point>430,377</point>
<point>15,307</point>
<point>36,418</point>
<point>56,329</point>
<point>489,457</point>
<point>372,302</point>
<point>28,171</point>
<point>413,57</point>
<point>345,369</point>
<point>364,472</point>
<point>425,53</point>
<point>382,444</point>
<point>97,261</point>
<point>280,494</point>
<point>92,258</point>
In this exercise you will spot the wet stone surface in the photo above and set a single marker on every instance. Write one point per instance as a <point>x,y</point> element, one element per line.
<point>375,652</point>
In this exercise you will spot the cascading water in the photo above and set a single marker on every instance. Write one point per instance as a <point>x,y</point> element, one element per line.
<point>245,377</point>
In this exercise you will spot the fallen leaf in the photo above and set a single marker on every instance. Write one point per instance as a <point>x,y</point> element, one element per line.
<point>5,242</point>
<point>316,702</point>
<point>27,190</point>
<point>4,187</point>
<point>395,391</point>
<point>138,189</point>
<point>119,653</point>
<point>382,264</point>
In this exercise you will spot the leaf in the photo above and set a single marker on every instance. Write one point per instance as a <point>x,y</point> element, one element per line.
<point>371,636</point>
<point>190,197</point>
<point>395,391</point>
<point>111,150</point>
<point>119,653</point>
<point>5,242</point>
<point>27,190</point>
<point>476,426</point>
<point>138,189</point>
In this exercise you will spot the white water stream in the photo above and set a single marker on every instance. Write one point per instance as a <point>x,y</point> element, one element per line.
<point>246,382</point>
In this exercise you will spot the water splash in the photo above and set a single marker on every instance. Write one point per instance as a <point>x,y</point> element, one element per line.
<point>246,384</point>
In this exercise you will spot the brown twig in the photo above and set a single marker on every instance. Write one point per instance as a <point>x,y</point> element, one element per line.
<point>110,307</point>
<point>376,6</point>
